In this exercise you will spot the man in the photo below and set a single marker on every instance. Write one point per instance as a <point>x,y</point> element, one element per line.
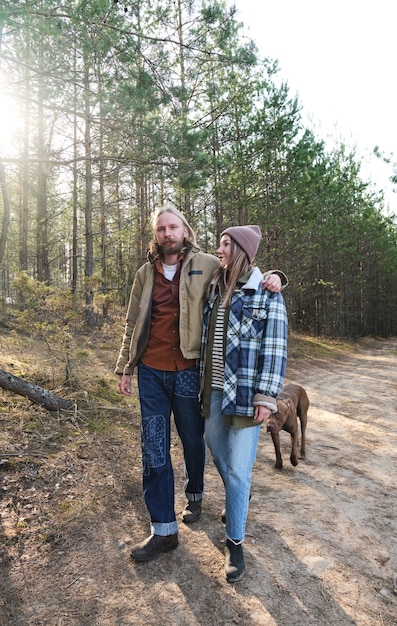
<point>162,338</point>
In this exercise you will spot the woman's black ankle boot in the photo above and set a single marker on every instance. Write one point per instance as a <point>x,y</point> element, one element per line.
<point>234,562</point>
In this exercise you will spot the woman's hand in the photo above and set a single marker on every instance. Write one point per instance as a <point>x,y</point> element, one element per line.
<point>261,414</point>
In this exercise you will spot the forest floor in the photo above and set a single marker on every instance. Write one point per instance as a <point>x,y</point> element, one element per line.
<point>321,537</point>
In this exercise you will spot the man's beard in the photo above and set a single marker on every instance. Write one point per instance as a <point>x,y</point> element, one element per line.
<point>167,250</point>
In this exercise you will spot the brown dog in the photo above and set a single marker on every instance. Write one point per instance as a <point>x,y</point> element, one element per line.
<point>293,402</point>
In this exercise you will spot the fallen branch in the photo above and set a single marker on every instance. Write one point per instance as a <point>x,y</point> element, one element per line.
<point>36,394</point>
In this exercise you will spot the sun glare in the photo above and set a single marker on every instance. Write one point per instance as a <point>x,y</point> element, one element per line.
<point>9,125</point>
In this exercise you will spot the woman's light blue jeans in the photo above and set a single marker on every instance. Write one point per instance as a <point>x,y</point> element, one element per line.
<point>234,452</point>
<point>160,393</point>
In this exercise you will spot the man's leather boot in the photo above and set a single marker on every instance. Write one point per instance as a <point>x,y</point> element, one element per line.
<point>153,546</point>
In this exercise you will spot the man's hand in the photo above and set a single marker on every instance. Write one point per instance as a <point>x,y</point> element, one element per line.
<point>125,384</point>
<point>272,283</point>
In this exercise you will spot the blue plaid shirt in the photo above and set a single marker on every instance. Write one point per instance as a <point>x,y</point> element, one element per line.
<point>255,347</point>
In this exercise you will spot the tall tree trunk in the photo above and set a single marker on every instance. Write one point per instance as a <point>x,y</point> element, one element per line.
<point>89,237</point>
<point>140,192</point>
<point>23,217</point>
<point>74,268</point>
<point>43,267</point>
<point>185,193</point>
<point>102,210</point>
<point>122,282</point>
<point>218,212</point>
<point>6,212</point>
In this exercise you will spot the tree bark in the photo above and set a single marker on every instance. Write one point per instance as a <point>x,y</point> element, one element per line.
<point>6,214</point>
<point>36,394</point>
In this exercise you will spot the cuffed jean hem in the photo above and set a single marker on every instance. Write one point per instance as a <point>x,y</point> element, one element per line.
<point>159,528</point>
<point>194,497</point>
<point>237,542</point>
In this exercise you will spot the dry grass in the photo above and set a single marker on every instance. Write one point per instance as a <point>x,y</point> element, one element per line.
<point>71,504</point>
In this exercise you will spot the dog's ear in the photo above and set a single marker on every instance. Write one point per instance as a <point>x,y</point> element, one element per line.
<point>282,408</point>
<point>288,403</point>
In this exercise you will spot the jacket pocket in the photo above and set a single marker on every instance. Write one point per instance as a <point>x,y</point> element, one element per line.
<point>253,322</point>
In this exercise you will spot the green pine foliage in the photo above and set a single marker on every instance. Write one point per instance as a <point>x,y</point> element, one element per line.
<point>124,107</point>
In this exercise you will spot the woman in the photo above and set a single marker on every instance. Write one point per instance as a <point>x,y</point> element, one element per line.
<point>243,361</point>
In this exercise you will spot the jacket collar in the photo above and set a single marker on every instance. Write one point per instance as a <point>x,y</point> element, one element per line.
<point>251,279</point>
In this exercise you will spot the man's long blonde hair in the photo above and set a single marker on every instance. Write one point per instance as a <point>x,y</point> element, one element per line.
<point>225,279</point>
<point>191,238</point>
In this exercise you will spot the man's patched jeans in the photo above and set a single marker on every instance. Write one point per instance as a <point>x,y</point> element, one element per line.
<point>161,393</point>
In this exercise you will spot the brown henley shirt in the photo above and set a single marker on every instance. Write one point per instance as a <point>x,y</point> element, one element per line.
<point>163,348</point>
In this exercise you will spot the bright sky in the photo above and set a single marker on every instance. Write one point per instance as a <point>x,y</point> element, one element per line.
<point>340,58</point>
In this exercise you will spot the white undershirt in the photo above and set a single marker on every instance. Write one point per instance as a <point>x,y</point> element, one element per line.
<point>169,270</point>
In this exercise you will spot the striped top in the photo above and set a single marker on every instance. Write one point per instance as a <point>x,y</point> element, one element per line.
<point>218,360</point>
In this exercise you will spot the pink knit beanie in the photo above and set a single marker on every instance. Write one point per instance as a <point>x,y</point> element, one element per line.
<point>247,237</point>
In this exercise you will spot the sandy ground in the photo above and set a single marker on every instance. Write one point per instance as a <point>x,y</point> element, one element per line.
<point>321,545</point>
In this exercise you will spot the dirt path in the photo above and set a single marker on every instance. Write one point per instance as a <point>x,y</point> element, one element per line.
<point>321,546</point>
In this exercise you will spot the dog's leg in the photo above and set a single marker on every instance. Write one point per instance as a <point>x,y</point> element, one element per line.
<point>291,427</point>
<point>294,448</point>
<point>302,410</point>
<point>276,442</point>
<point>303,420</point>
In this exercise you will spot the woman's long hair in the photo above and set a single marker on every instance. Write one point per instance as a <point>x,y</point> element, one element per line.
<point>191,238</point>
<point>225,279</point>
